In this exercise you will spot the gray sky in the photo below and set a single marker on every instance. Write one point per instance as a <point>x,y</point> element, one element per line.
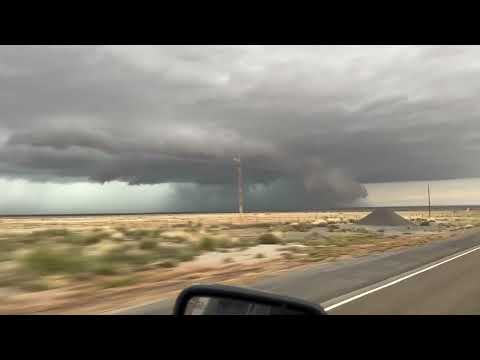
<point>313,124</point>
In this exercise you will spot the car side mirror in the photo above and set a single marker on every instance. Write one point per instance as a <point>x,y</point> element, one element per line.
<point>230,300</point>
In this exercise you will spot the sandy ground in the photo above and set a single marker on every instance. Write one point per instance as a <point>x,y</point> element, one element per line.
<point>236,266</point>
<point>25,224</point>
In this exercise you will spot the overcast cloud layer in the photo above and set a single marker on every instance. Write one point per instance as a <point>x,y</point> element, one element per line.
<point>312,123</point>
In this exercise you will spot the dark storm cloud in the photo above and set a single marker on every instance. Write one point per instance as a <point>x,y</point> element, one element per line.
<point>311,123</point>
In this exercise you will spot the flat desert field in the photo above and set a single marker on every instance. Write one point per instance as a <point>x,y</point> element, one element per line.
<point>99,264</point>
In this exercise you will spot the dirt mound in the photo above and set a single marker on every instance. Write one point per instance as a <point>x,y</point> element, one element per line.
<point>384,217</point>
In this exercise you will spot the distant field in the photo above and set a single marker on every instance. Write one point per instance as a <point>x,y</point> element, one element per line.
<point>336,210</point>
<point>90,264</point>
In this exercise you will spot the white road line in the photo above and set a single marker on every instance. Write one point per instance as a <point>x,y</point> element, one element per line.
<point>399,280</point>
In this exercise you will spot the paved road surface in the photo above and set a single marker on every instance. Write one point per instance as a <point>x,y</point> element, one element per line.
<point>451,287</point>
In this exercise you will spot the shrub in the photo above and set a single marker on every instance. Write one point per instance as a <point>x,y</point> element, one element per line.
<point>116,256</point>
<point>168,264</point>
<point>6,249</point>
<point>206,244</point>
<point>228,260</point>
<point>176,236</point>
<point>319,223</point>
<point>121,229</point>
<point>82,276</point>
<point>246,242</point>
<point>342,242</point>
<point>224,243</point>
<point>332,227</point>
<point>94,238</point>
<point>51,233</point>
<point>44,235</point>
<point>361,230</point>
<point>294,249</point>
<point>120,282</point>
<point>186,254</point>
<point>142,259</point>
<point>259,256</point>
<point>120,256</point>
<point>166,252</point>
<point>247,226</point>
<point>46,261</point>
<point>260,225</point>
<point>317,255</point>
<point>313,236</point>
<point>303,227</point>
<point>33,285</point>
<point>268,239</point>
<point>147,245</point>
<point>74,238</point>
<point>179,225</point>
<point>104,268</point>
<point>140,234</point>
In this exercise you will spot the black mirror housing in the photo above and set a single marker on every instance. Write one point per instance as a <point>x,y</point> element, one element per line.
<point>281,304</point>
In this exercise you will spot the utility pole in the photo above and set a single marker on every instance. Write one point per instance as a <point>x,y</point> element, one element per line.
<point>429,213</point>
<point>238,161</point>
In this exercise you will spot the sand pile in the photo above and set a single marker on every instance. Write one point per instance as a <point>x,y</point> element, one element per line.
<point>384,217</point>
